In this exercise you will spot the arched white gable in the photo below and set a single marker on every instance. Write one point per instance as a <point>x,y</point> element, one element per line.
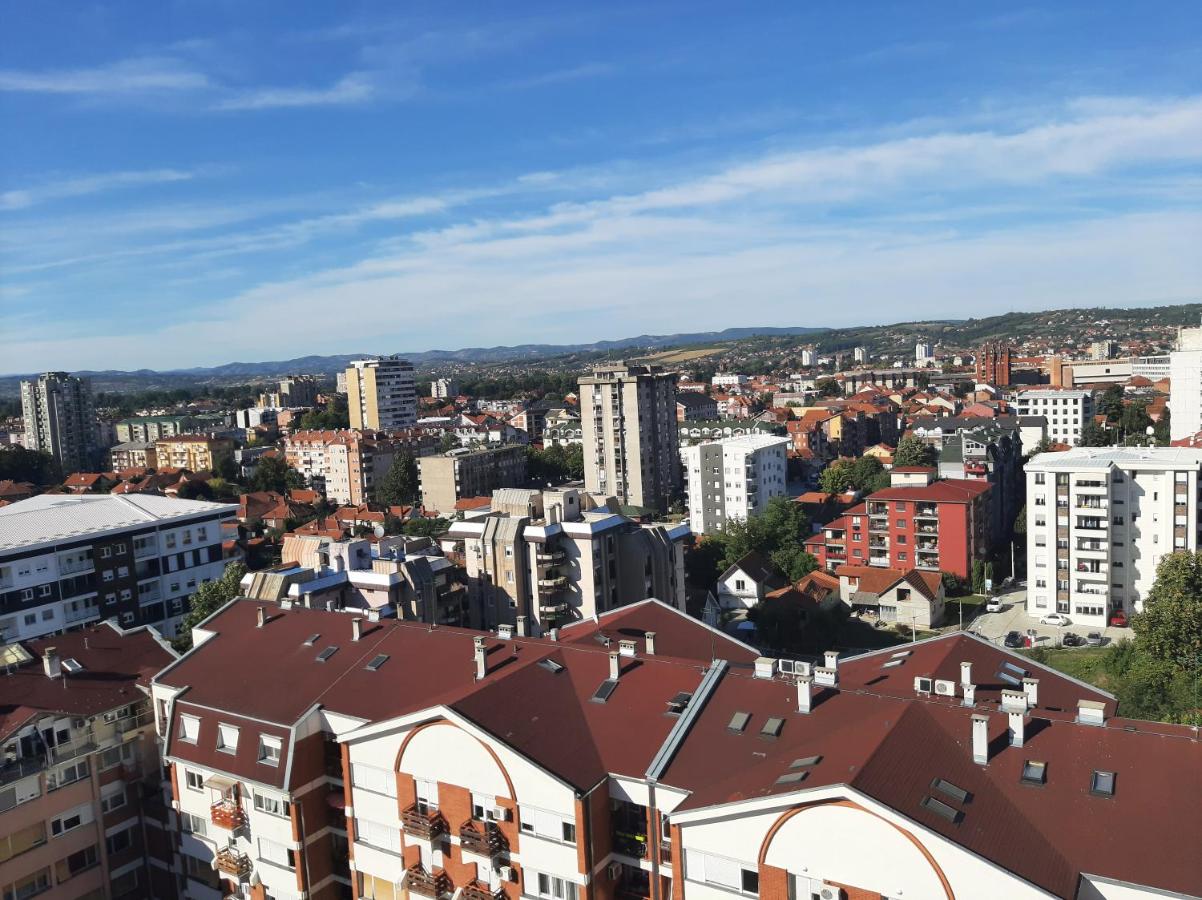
<point>447,753</point>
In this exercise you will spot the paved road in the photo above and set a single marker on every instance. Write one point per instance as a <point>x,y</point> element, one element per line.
<point>1013,617</point>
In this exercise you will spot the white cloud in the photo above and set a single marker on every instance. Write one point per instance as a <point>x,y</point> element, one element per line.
<point>87,184</point>
<point>133,76</point>
<point>350,90</point>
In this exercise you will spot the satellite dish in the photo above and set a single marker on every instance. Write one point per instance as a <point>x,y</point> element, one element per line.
<point>378,531</point>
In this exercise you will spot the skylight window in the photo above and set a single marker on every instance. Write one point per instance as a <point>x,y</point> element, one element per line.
<point>941,809</point>
<point>772,727</point>
<point>376,662</point>
<point>326,653</point>
<point>892,664</point>
<point>792,778</point>
<point>604,690</point>
<point>1102,783</point>
<point>738,722</point>
<point>550,665</point>
<point>311,640</point>
<point>1034,772</point>
<point>900,654</point>
<point>805,762</point>
<point>679,702</point>
<point>72,666</point>
<point>1008,679</point>
<point>946,787</point>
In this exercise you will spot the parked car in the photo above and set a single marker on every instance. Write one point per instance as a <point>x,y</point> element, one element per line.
<point>1094,639</point>
<point>1071,639</point>
<point>1118,619</point>
<point>994,604</point>
<point>1013,640</point>
<point>1057,619</point>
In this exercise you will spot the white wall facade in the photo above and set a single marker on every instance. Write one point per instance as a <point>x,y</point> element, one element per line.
<point>1067,412</point>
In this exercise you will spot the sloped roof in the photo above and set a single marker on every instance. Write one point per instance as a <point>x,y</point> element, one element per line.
<point>759,569</point>
<point>677,634</point>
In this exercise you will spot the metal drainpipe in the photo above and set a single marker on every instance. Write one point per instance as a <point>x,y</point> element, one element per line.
<point>653,840</point>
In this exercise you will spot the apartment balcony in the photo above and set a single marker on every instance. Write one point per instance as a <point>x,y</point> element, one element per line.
<point>550,610</point>
<point>478,890</point>
<point>926,511</point>
<point>551,557</point>
<point>231,862</point>
<point>17,769</point>
<point>881,559</point>
<point>878,508</point>
<point>81,614</point>
<point>878,543</point>
<point>1090,590</point>
<point>1091,503</point>
<point>927,529</point>
<point>628,844</point>
<point>1093,571</point>
<point>482,839</point>
<point>428,884</point>
<point>1091,524</point>
<point>932,546</point>
<point>1094,549</point>
<point>425,825</point>
<point>76,567</point>
<point>554,583</point>
<point>836,551</point>
<point>228,815</point>
<point>927,564</point>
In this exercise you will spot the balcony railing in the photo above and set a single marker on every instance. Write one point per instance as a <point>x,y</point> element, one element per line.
<point>483,839</point>
<point>550,583</point>
<point>232,863</point>
<point>477,890</point>
<point>424,825</point>
<point>76,566</point>
<point>436,884</point>
<point>228,815</point>
<point>926,512</point>
<point>633,845</point>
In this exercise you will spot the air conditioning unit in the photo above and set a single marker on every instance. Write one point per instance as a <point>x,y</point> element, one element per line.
<point>500,814</point>
<point>922,685</point>
<point>506,873</point>
<point>613,870</point>
<point>945,688</point>
<point>831,892</point>
<point>786,666</point>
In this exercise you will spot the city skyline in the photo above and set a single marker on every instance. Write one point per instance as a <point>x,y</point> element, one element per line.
<point>192,185</point>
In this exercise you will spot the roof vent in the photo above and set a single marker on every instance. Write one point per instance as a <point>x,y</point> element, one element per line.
<point>50,663</point>
<point>505,631</point>
<point>356,628</point>
<point>980,739</point>
<point>1031,687</point>
<point>826,676</point>
<point>615,666</point>
<point>260,617</point>
<point>765,667</point>
<point>1091,712</point>
<point>1014,702</point>
<point>650,637</point>
<point>480,657</point>
<point>831,658</point>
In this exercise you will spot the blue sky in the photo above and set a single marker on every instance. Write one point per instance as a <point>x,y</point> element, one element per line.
<point>191,183</point>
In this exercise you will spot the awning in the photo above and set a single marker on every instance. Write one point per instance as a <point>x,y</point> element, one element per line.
<point>219,783</point>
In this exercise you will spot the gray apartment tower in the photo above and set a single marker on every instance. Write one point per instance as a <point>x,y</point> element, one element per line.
<point>60,419</point>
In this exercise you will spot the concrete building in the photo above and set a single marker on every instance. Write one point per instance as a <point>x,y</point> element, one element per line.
<point>728,380</point>
<point>60,420</point>
<point>82,813</point>
<point>1098,522</point>
<point>1067,412</point>
<point>1153,368</point>
<point>345,465</point>
<point>993,364</point>
<point>809,357</point>
<point>194,452</point>
<point>450,477</point>
<point>1105,349</point>
<point>381,393</point>
<point>445,388</point>
<point>924,352</point>
<point>696,408</point>
<point>631,444</point>
<point>645,755</point>
<point>148,429</point>
<point>859,355</point>
<point>293,391</point>
<point>552,557</point>
<point>67,560</point>
<point>133,455</point>
<point>1185,384</point>
<point>732,479</point>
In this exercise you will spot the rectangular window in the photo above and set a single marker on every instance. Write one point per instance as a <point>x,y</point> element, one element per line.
<point>269,750</point>
<point>279,854</point>
<point>273,805</point>
<point>227,738</point>
<point>68,774</point>
<point>29,886</point>
<point>189,728</point>
<point>119,841</point>
<point>377,781</point>
<point>726,873</point>
<point>70,820</point>
<point>112,797</point>
<point>551,887</point>
<point>193,824</point>
<point>18,842</point>
<point>78,862</point>
<point>375,834</point>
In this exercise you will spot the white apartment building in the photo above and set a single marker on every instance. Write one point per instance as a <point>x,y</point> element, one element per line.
<point>631,445</point>
<point>728,379</point>
<point>1067,412</point>
<point>381,393</point>
<point>860,355</point>
<point>1098,522</point>
<point>923,352</point>
<point>733,478</point>
<point>1153,368</point>
<point>1185,384</point>
<point>344,465</point>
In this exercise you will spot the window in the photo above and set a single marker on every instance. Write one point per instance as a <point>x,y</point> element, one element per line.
<point>106,552</point>
<point>1034,772</point>
<point>70,820</point>
<point>227,738</point>
<point>189,728</point>
<point>726,873</point>
<point>125,884</point>
<point>75,863</point>
<point>194,780</point>
<point>19,841</point>
<point>273,805</point>
<point>107,575</point>
<point>375,780</point>
<point>66,775</point>
<point>193,824</point>
<point>481,806</point>
<point>569,833</point>
<point>382,837</point>
<point>548,825</point>
<point>28,886</point>
<point>551,886</point>
<point>269,750</point>
<point>1102,783</point>
<point>279,854</point>
<point>112,797</point>
<point>170,540</point>
<point>123,572</point>
<point>114,756</point>
<point>119,841</point>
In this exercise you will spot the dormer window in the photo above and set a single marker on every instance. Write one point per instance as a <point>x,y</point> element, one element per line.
<point>227,738</point>
<point>189,728</point>
<point>269,750</point>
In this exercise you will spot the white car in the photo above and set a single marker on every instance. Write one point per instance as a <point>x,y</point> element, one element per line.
<point>1054,619</point>
<point>994,605</point>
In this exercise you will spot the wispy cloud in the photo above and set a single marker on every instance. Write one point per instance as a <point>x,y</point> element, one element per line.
<point>351,90</point>
<point>22,198</point>
<point>559,76</point>
<point>132,76</point>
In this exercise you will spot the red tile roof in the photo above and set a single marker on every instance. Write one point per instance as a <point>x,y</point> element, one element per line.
<point>676,634</point>
<point>946,490</point>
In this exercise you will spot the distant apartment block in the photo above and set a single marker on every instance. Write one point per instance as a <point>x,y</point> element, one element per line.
<point>444,388</point>
<point>68,560</point>
<point>631,441</point>
<point>148,429</point>
<point>132,455</point>
<point>381,393</point>
<point>193,452</point>
<point>1067,412</point>
<point>346,466</point>
<point>924,351</point>
<point>1185,384</point>
<point>732,479</point>
<point>693,407</point>
<point>450,477</point>
<point>994,364</point>
<point>540,560</point>
<point>292,391</point>
<point>60,419</point>
<point>1099,520</point>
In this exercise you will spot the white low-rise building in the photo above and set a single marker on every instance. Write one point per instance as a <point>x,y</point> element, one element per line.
<point>1067,412</point>
<point>733,478</point>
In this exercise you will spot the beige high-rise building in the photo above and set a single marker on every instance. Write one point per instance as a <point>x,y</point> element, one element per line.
<point>345,465</point>
<point>631,438</point>
<point>381,393</point>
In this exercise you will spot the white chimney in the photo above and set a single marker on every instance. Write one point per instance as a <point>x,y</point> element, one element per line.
<point>626,648</point>
<point>1016,729</point>
<point>1091,712</point>
<point>970,692</point>
<point>615,666</point>
<point>980,740</point>
<point>832,659</point>
<point>356,628</point>
<point>553,634</point>
<point>481,658</point>
<point>504,631</point>
<point>650,636</point>
<point>966,673</point>
<point>805,694</point>
<point>1031,686</point>
<point>51,663</point>
<point>260,617</point>
<point>522,628</point>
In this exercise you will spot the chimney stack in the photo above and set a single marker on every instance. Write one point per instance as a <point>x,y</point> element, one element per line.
<point>650,635</point>
<point>765,667</point>
<point>553,634</point>
<point>832,659</point>
<point>481,657</point>
<point>522,628</point>
<point>505,632</point>
<point>51,663</point>
<point>1016,729</point>
<point>970,691</point>
<point>1091,712</point>
<point>980,740</point>
<point>805,694</point>
<point>1031,686</point>
<point>356,628</point>
<point>261,617</point>
<point>615,666</point>
<point>965,673</point>
<point>626,648</point>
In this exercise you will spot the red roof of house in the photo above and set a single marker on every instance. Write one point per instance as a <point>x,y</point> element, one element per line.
<point>472,503</point>
<point>946,490</point>
<point>676,633</point>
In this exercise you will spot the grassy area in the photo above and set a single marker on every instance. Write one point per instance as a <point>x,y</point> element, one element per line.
<point>1082,663</point>
<point>680,356</point>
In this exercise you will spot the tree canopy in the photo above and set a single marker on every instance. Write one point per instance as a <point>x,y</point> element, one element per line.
<point>865,474</point>
<point>273,474</point>
<point>556,463</point>
<point>400,484</point>
<point>913,451</point>
<point>777,534</point>
<point>34,466</point>
<point>421,527</point>
<point>1170,627</point>
<point>210,597</point>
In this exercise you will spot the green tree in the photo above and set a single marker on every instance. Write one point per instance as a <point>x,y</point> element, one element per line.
<point>422,527</point>
<point>1169,629</point>
<point>210,597</point>
<point>978,576</point>
<point>273,474</point>
<point>835,478</point>
<point>1094,435</point>
<point>828,387</point>
<point>778,533</point>
<point>1135,422</point>
<point>34,466</point>
<point>448,442</point>
<point>1162,429</point>
<point>226,468</point>
<point>1111,403</point>
<point>865,474</point>
<point>1044,446</point>
<point>703,562</point>
<point>913,451</point>
<point>400,485</point>
<point>195,490</point>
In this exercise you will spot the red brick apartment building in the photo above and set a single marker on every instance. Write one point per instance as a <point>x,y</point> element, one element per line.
<point>918,523</point>
<point>644,756</point>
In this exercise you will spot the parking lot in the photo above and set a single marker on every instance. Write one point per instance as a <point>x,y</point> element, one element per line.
<point>1013,617</point>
